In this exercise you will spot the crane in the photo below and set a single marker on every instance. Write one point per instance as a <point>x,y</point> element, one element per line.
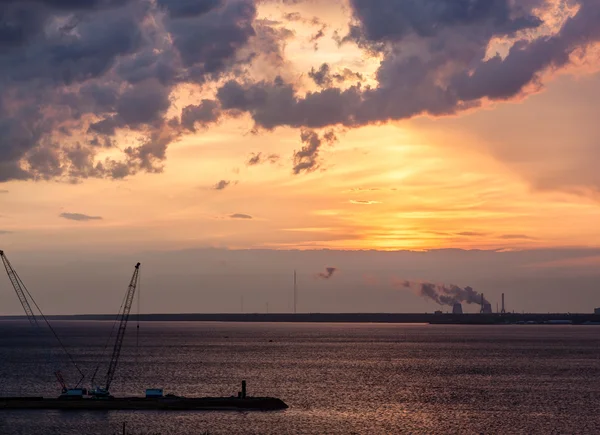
<point>123,317</point>
<point>24,297</point>
<point>20,289</point>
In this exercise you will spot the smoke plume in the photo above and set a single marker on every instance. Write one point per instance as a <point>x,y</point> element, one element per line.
<point>446,294</point>
<point>329,271</point>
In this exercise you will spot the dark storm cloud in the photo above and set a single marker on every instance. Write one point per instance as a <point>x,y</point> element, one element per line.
<point>79,217</point>
<point>240,216</point>
<point>71,68</point>
<point>380,21</point>
<point>188,8</point>
<point>499,78</point>
<point>274,104</point>
<point>207,38</point>
<point>203,114</point>
<point>446,72</point>
<point>75,73</point>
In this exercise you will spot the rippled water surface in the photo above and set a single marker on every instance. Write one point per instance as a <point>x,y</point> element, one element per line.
<point>337,379</point>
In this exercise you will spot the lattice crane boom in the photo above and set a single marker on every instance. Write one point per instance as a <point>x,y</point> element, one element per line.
<point>24,297</point>
<point>124,317</point>
<point>19,289</point>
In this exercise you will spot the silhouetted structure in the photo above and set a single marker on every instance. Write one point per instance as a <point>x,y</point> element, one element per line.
<point>295,292</point>
<point>482,310</point>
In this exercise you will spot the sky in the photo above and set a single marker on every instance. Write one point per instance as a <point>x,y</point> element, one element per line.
<point>387,139</point>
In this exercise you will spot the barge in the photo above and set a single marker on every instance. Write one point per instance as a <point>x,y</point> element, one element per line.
<point>142,403</point>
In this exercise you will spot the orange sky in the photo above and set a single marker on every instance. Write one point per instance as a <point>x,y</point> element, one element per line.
<point>486,178</point>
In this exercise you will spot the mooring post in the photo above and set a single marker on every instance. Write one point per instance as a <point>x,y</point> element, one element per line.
<point>243,389</point>
<point>124,424</point>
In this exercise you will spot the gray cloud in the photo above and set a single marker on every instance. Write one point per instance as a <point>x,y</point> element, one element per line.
<point>89,69</point>
<point>204,114</point>
<point>329,271</point>
<point>307,158</point>
<point>221,185</point>
<point>79,217</point>
<point>446,72</point>
<point>259,158</point>
<point>3,191</point>
<point>323,77</point>
<point>240,216</point>
<point>5,232</point>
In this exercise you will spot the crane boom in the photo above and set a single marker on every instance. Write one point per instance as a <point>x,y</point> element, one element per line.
<point>122,326</point>
<point>17,285</point>
<point>22,294</point>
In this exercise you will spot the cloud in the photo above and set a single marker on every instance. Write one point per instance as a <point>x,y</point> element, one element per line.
<point>3,191</point>
<point>79,217</point>
<point>221,185</point>
<point>516,237</point>
<point>361,202</point>
<point>323,77</point>
<point>5,232</point>
<point>240,216</point>
<point>471,234</point>
<point>446,70</point>
<point>204,114</point>
<point>259,158</point>
<point>77,73</point>
<point>307,158</point>
<point>329,271</point>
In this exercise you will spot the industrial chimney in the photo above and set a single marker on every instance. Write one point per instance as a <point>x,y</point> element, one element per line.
<point>482,310</point>
<point>503,310</point>
<point>457,308</point>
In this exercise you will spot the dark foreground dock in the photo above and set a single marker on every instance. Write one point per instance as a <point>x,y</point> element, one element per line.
<point>141,403</point>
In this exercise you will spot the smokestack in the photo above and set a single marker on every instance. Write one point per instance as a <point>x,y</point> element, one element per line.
<point>446,294</point>
<point>503,310</point>
<point>482,304</point>
<point>295,292</point>
<point>457,308</point>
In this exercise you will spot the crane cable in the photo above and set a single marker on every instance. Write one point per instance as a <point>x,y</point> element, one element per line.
<point>108,340</point>
<point>137,329</point>
<point>62,345</point>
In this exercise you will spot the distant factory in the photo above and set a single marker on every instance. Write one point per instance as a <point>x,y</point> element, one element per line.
<point>485,307</point>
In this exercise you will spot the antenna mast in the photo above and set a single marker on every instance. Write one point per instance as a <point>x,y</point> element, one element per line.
<point>295,292</point>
